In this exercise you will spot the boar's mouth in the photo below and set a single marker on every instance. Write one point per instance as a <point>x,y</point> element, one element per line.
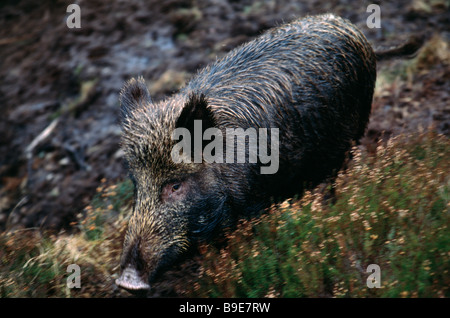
<point>131,281</point>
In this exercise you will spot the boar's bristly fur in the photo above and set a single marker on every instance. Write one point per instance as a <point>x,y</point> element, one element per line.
<point>312,79</point>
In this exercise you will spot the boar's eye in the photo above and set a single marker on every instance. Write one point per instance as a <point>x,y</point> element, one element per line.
<point>173,191</point>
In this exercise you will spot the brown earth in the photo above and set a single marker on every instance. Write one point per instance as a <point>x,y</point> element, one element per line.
<point>59,129</point>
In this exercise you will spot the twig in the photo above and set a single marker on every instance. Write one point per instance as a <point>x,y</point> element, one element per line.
<point>39,138</point>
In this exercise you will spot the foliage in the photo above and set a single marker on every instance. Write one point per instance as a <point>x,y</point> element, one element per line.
<point>390,209</point>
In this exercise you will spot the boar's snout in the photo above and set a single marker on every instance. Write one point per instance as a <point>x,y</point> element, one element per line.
<point>132,278</point>
<point>132,281</point>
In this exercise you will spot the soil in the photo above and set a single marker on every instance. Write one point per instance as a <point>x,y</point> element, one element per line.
<point>59,131</point>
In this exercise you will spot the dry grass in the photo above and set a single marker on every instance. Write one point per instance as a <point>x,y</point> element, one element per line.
<point>34,263</point>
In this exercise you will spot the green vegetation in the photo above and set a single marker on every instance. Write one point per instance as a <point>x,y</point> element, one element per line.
<point>390,208</point>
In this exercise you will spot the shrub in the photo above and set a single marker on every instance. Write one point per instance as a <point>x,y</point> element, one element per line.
<point>390,208</point>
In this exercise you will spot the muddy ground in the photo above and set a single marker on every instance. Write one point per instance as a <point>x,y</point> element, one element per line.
<point>59,87</point>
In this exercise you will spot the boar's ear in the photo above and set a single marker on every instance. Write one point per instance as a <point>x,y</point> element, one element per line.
<point>196,108</point>
<point>133,95</point>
